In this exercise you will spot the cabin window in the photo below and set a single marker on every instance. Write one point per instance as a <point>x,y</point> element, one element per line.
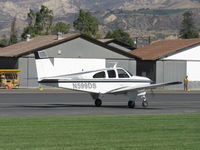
<point>111,74</point>
<point>122,74</point>
<point>100,75</point>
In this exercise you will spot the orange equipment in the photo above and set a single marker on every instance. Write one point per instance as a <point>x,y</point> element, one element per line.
<point>9,78</point>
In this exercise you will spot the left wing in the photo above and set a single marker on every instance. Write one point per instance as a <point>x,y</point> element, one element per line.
<point>151,86</point>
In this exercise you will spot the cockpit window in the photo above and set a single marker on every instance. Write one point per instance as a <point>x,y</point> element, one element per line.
<point>122,74</point>
<point>111,74</point>
<point>100,75</point>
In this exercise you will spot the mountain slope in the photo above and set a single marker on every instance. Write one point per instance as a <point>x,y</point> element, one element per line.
<point>160,4</point>
<point>138,17</point>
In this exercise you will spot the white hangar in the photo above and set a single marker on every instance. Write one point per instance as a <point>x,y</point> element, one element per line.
<point>170,60</point>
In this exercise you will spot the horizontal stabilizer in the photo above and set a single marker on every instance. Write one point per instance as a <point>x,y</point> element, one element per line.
<point>40,55</point>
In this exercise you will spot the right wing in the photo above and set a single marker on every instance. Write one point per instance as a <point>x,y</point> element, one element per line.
<point>151,86</point>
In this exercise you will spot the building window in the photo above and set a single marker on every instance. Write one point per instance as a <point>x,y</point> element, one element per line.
<point>100,75</point>
<point>111,74</point>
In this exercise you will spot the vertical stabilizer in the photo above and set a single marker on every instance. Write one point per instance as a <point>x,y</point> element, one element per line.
<point>44,65</point>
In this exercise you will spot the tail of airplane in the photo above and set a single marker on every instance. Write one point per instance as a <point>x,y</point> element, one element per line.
<point>48,69</point>
<point>44,65</point>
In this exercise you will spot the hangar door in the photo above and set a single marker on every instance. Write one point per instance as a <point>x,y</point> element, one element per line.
<point>170,71</point>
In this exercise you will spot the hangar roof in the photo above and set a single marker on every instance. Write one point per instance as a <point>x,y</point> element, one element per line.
<point>111,42</point>
<point>164,48</point>
<point>36,43</point>
<point>43,42</point>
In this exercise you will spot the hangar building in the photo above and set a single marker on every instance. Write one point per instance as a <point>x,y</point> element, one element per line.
<point>20,55</point>
<point>170,60</point>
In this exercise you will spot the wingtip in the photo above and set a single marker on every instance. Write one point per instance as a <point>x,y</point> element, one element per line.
<point>176,82</point>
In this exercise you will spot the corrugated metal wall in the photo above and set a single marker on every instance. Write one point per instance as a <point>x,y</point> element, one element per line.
<point>169,71</point>
<point>28,75</point>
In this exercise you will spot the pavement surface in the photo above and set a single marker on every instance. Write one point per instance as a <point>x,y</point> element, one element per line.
<point>66,103</point>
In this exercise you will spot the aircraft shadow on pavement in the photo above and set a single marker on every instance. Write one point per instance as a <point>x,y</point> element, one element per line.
<point>85,106</point>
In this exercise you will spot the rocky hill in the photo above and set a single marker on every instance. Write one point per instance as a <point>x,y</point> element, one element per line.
<point>156,18</point>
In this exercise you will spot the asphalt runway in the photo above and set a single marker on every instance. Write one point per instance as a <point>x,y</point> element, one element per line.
<point>75,104</point>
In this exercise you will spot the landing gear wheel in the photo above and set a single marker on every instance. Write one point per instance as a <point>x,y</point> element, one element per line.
<point>98,102</point>
<point>131,104</point>
<point>145,104</point>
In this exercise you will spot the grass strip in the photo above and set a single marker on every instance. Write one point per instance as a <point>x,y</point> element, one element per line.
<point>129,132</point>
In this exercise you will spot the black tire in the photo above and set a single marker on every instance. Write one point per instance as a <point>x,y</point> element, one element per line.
<point>145,104</point>
<point>98,102</point>
<point>131,104</point>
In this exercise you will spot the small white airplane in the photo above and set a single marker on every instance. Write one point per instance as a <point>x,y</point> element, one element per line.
<point>114,80</point>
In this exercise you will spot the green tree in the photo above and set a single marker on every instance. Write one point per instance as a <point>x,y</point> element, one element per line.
<point>121,36</point>
<point>86,23</point>
<point>39,23</point>
<point>188,29</point>
<point>4,40</point>
<point>60,27</point>
<point>44,20</point>
<point>13,39</point>
<point>13,32</point>
<point>30,29</point>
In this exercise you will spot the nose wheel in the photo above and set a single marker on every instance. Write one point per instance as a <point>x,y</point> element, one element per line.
<point>98,102</point>
<point>145,104</point>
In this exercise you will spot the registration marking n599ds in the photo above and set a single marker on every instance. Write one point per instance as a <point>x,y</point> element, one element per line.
<point>84,85</point>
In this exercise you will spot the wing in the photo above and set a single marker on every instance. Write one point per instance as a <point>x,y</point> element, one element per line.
<point>151,86</point>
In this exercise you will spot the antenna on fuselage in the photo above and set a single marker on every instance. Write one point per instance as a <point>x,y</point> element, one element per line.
<point>115,65</point>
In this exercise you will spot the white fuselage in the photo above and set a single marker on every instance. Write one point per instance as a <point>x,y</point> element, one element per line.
<point>109,80</point>
<point>102,87</point>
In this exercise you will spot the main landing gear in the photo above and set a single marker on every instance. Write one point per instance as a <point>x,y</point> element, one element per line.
<point>131,104</point>
<point>133,96</point>
<point>98,102</point>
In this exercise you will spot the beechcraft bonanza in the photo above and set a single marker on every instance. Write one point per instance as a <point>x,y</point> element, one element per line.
<point>97,82</point>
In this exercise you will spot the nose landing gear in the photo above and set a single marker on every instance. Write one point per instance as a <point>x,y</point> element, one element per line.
<point>144,101</point>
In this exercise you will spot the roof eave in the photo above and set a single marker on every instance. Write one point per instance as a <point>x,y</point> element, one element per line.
<point>49,45</point>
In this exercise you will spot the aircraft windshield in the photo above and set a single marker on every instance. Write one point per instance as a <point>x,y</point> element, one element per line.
<point>100,75</point>
<point>130,73</point>
<point>122,73</point>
